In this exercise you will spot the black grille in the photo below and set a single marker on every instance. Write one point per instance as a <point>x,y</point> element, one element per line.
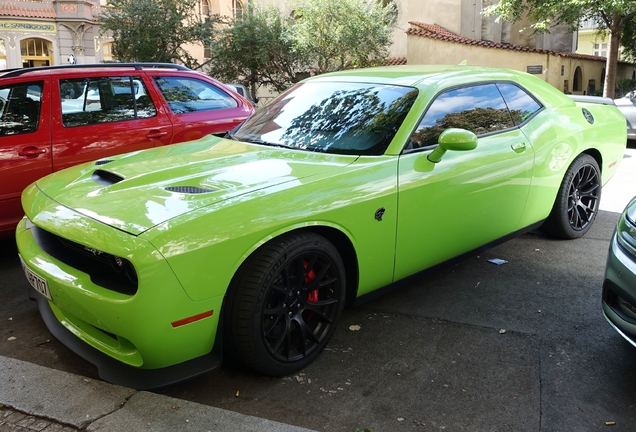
<point>188,189</point>
<point>110,272</point>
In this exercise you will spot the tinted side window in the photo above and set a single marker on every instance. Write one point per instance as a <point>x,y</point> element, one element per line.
<point>520,103</point>
<point>20,106</point>
<point>185,95</point>
<point>479,109</point>
<point>87,101</point>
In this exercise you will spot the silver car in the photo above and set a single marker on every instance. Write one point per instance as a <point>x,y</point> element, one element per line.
<point>619,287</point>
<point>627,105</point>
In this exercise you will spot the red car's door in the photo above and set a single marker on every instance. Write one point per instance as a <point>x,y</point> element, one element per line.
<point>102,116</point>
<point>25,142</point>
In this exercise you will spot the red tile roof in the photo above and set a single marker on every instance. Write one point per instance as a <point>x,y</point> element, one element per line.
<point>27,9</point>
<point>394,61</point>
<point>434,31</point>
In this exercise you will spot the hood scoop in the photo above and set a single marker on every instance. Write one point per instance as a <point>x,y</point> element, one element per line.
<point>106,178</point>
<point>189,189</point>
<point>104,161</point>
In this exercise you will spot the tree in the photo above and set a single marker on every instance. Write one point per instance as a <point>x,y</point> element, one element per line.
<point>255,50</point>
<point>610,14</point>
<point>155,30</point>
<point>342,34</point>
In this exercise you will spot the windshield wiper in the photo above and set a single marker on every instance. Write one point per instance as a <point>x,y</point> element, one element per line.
<point>271,144</point>
<point>231,136</point>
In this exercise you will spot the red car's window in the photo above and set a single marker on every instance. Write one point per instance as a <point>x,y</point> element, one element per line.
<point>96,100</point>
<point>20,106</point>
<point>186,95</point>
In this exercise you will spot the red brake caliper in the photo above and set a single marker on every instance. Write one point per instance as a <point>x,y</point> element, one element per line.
<point>313,296</point>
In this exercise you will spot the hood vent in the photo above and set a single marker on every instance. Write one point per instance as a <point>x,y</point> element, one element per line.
<point>189,189</point>
<point>104,161</point>
<point>106,178</point>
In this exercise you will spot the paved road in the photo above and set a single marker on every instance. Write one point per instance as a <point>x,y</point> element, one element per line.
<point>520,346</point>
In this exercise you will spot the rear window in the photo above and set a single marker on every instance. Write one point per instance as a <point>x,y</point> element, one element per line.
<point>87,101</point>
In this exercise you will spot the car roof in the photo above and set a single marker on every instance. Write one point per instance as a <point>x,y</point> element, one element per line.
<point>90,68</point>
<point>412,75</point>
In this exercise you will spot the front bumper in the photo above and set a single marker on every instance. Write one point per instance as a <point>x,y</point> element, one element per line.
<point>119,373</point>
<point>619,292</point>
<point>131,338</point>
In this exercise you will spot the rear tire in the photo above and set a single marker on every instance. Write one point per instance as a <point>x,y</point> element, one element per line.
<point>284,303</point>
<point>577,201</point>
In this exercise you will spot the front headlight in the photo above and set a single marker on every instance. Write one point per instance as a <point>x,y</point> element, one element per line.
<point>626,229</point>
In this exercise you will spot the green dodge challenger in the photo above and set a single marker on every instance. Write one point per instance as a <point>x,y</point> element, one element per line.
<point>153,265</point>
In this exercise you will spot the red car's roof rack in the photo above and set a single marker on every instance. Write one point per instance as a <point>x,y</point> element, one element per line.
<point>137,66</point>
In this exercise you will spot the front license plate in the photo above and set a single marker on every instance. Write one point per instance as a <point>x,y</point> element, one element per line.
<point>37,282</point>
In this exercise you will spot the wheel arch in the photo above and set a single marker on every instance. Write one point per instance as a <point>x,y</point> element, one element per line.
<point>335,236</point>
<point>596,155</point>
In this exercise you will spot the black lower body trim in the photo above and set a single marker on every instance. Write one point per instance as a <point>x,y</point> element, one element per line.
<point>420,275</point>
<point>119,373</point>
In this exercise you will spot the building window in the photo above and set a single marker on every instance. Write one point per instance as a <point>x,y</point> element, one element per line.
<point>237,8</point>
<point>35,52</point>
<point>577,79</point>
<point>3,55</point>
<point>600,49</point>
<point>205,10</point>
<point>107,52</point>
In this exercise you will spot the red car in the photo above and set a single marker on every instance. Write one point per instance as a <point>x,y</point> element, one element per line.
<point>58,116</point>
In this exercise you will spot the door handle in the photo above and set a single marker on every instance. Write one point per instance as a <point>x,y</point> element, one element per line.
<point>519,147</point>
<point>32,151</point>
<point>156,134</point>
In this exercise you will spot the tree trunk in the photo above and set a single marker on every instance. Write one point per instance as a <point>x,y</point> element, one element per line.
<point>611,67</point>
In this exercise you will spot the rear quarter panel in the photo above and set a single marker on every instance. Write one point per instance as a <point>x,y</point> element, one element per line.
<point>558,136</point>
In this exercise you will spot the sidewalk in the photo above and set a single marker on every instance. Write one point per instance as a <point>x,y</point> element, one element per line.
<point>36,398</point>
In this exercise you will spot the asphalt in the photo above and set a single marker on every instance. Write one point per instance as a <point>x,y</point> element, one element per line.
<point>38,398</point>
<point>43,399</point>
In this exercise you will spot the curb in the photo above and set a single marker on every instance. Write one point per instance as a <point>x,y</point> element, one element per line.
<point>92,405</point>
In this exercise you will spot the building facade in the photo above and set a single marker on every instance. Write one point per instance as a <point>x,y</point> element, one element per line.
<point>50,32</point>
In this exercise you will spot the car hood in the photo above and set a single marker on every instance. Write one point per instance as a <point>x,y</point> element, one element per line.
<point>137,191</point>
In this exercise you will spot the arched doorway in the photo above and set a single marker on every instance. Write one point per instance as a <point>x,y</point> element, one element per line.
<point>36,52</point>
<point>577,81</point>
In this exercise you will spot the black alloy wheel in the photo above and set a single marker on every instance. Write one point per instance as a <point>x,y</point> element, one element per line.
<point>285,302</point>
<point>577,201</point>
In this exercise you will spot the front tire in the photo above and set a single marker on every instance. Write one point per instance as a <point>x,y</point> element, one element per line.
<point>577,201</point>
<point>284,303</point>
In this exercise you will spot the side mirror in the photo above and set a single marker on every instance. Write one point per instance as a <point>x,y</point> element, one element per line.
<point>453,139</point>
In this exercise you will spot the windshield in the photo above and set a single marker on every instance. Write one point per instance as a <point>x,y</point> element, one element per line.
<point>332,117</point>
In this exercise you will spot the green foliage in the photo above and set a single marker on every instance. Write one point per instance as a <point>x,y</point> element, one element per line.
<point>266,48</point>
<point>255,50</point>
<point>342,34</point>
<point>624,86</point>
<point>628,39</point>
<point>155,30</point>
<point>547,13</point>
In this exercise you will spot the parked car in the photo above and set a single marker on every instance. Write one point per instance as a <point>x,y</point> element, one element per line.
<point>150,264</point>
<point>242,90</point>
<point>627,105</point>
<point>55,117</point>
<point>619,287</point>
